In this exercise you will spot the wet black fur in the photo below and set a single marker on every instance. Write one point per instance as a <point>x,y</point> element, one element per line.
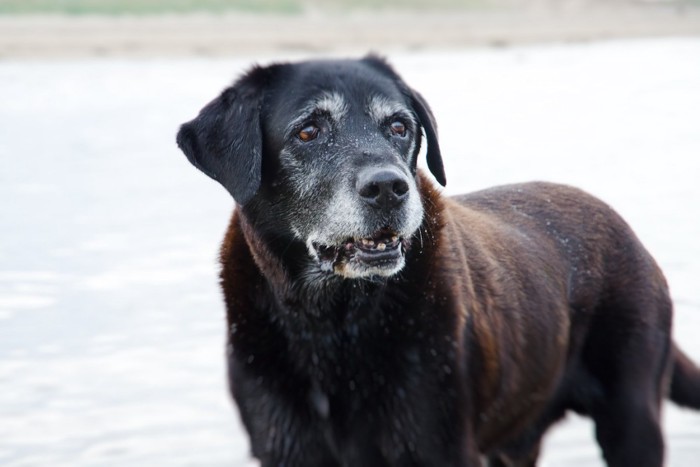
<point>515,305</point>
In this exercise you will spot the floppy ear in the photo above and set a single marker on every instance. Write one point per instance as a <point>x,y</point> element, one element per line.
<point>427,120</point>
<point>225,140</point>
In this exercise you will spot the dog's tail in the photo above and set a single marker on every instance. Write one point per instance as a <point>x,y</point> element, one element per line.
<point>685,380</point>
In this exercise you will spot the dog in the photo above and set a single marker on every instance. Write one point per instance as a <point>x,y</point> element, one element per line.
<point>374,322</point>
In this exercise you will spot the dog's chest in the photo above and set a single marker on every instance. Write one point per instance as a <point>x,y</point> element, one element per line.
<point>357,356</point>
<point>357,379</point>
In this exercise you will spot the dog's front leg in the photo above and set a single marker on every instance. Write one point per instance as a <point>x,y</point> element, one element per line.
<point>430,425</point>
<point>437,449</point>
<point>282,430</point>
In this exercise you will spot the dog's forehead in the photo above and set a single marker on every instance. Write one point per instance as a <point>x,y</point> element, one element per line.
<point>335,86</point>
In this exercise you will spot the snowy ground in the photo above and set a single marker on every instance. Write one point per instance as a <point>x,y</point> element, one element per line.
<point>111,322</point>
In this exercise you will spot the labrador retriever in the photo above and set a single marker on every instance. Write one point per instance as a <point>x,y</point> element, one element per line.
<point>374,322</point>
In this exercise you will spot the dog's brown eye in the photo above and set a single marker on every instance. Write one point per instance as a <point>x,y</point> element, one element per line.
<point>398,128</point>
<point>308,133</point>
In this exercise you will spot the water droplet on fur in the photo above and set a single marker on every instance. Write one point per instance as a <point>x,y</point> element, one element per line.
<point>320,402</point>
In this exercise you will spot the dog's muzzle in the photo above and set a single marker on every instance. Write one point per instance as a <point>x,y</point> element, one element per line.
<point>385,198</point>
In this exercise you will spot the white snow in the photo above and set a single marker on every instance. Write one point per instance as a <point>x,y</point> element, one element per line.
<point>111,321</point>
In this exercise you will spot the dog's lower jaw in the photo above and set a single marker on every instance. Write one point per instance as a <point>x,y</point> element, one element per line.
<point>379,256</point>
<point>352,268</point>
<point>355,270</point>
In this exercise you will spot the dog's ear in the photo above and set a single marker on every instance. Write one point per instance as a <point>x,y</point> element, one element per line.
<point>423,112</point>
<point>225,140</point>
<point>427,119</point>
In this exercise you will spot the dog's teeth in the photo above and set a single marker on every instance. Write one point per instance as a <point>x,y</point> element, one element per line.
<point>370,242</point>
<point>394,239</point>
<point>381,246</point>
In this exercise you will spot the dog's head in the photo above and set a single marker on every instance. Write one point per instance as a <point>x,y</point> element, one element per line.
<point>323,153</point>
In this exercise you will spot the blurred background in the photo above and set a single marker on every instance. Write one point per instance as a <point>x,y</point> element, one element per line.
<point>111,321</point>
<point>70,28</point>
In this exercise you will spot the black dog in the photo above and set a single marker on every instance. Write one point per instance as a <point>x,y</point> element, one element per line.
<point>375,323</point>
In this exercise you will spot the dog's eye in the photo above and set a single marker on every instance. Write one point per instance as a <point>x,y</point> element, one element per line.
<point>398,128</point>
<point>308,133</point>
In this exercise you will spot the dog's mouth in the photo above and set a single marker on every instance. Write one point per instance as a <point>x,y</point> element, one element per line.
<point>382,254</point>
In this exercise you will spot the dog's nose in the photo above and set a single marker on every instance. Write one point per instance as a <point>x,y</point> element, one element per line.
<point>382,187</point>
